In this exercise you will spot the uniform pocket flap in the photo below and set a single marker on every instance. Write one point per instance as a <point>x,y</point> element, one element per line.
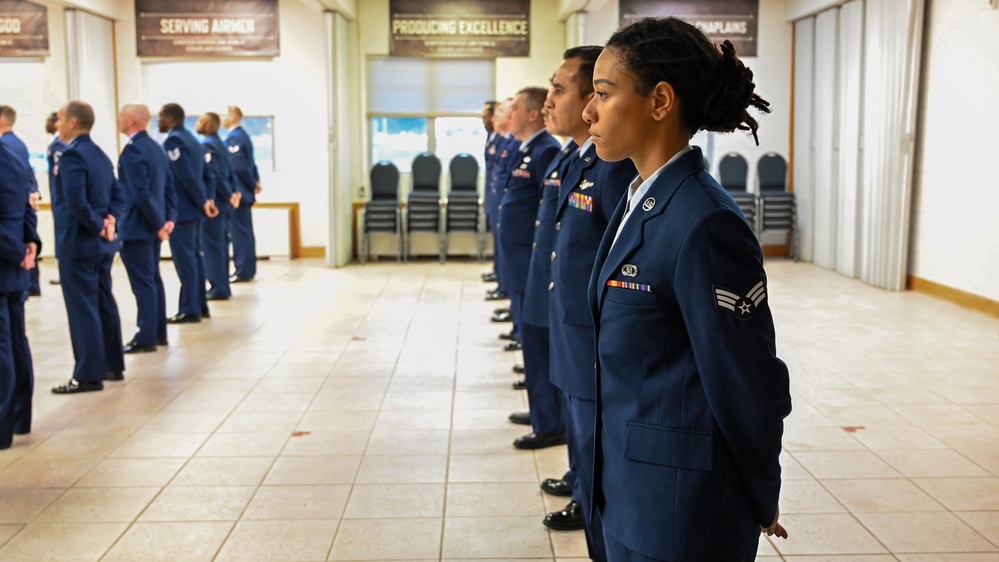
<point>678,448</point>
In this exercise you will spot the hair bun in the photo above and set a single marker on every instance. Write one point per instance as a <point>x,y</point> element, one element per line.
<point>734,92</point>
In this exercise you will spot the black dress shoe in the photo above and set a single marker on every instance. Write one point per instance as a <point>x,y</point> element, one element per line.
<point>501,310</point>
<point>238,279</point>
<point>513,346</point>
<point>508,336</point>
<point>164,342</point>
<point>75,387</point>
<point>217,297</point>
<point>502,317</point>
<point>556,487</point>
<point>496,296</point>
<point>115,376</point>
<point>569,519</point>
<point>53,282</point>
<point>520,384</point>
<point>539,440</point>
<point>135,347</point>
<point>519,369</point>
<point>205,313</point>
<point>520,418</point>
<point>35,293</point>
<point>488,277</point>
<point>183,318</point>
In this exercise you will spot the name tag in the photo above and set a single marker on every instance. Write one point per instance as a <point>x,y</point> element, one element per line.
<point>582,202</point>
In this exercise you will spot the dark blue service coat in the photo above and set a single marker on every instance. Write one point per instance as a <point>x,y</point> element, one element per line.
<point>588,196</point>
<point>691,395</point>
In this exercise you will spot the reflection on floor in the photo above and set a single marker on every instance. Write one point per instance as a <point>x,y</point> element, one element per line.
<point>360,414</point>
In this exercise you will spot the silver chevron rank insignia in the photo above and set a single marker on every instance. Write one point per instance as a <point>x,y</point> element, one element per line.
<point>742,307</point>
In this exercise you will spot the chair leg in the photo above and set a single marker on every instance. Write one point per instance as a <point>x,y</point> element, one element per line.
<point>364,248</point>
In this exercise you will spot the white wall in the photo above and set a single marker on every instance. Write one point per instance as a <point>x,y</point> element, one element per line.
<point>955,234</point>
<point>290,87</point>
<point>771,71</point>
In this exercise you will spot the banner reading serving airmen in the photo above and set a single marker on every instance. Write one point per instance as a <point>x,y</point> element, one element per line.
<point>207,28</point>
<point>460,28</point>
<point>735,20</point>
<point>24,29</point>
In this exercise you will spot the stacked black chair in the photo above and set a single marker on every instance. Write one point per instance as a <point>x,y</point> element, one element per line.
<point>734,173</point>
<point>381,214</point>
<point>778,210</point>
<point>423,209</point>
<point>463,208</point>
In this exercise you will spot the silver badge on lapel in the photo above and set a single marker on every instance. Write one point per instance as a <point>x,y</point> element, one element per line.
<point>649,204</point>
<point>585,184</point>
<point>629,270</point>
<point>586,159</point>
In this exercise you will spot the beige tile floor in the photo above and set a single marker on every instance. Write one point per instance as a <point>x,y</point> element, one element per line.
<point>360,414</point>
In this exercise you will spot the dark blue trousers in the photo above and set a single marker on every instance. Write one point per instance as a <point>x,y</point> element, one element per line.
<point>94,324</point>
<point>497,253</point>
<point>570,475</point>
<point>185,245</point>
<point>34,287</point>
<point>545,399</point>
<point>161,324</point>
<point>8,375</point>
<point>244,244</point>
<point>142,263</point>
<point>617,552</point>
<point>582,421</point>
<point>24,368</point>
<point>216,248</point>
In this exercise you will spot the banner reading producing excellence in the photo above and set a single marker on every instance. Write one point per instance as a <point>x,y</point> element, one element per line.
<point>462,28</point>
<point>207,28</point>
<point>24,29</point>
<point>735,20</point>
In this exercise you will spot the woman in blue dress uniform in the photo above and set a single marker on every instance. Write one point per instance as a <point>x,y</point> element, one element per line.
<point>691,396</point>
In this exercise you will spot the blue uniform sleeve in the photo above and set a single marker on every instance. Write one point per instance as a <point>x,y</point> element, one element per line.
<point>116,206</point>
<point>183,170</point>
<point>136,171</point>
<point>242,162</point>
<point>746,385</point>
<point>73,172</point>
<point>207,175</point>
<point>171,196</point>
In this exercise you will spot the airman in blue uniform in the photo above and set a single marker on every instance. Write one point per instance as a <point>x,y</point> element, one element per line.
<point>8,117</point>
<point>496,179</point>
<point>240,147</point>
<point>519,207</point>
<point>588,194</point>
<point>86,205</point>
<point>19,245</point>
<point>690,393</point>
<point>147,220</point>
<point>195,190</point>
<point>227,199</point>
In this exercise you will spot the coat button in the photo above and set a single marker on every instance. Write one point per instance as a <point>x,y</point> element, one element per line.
<point>534,245</point>
<point>537,224</point>
<point>558,225</point>
<point>553,256</point>
<point>551,286</point>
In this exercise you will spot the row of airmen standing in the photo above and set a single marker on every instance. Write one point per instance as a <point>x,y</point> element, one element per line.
<point>639,298</point>
<point>184,192</point>
<point>545,251</point>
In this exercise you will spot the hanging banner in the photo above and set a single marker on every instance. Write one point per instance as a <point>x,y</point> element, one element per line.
<point>461,28</point>
<point>207,28</point>
<point>735,20</point>
<point>24,29</point>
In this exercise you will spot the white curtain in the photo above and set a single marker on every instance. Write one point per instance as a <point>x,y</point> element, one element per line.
<point>856,79</point>
<point>90,54</point>
<point>338,123</point>
<point>893,43</point>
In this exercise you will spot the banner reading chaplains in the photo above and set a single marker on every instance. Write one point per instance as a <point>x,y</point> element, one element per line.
<point>24,29</point>
<point>207,28</point>
<point>735,20</point>
<point>460,28</point>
